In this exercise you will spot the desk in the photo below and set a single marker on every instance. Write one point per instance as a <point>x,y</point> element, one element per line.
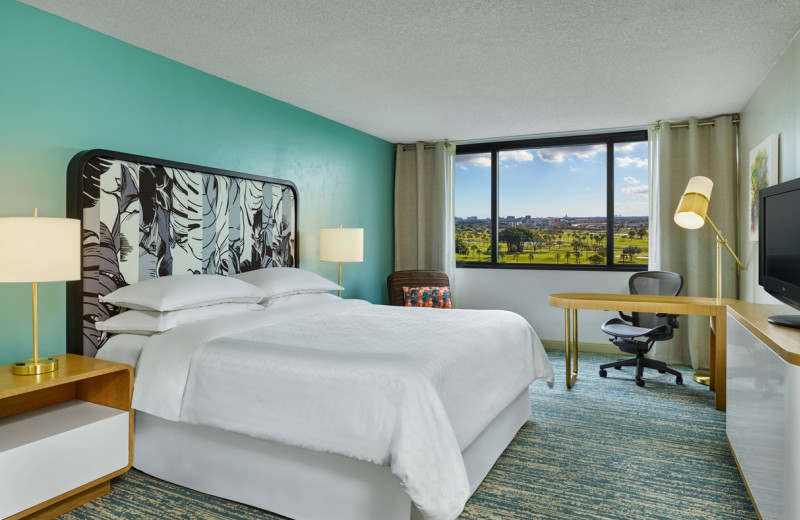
<point>643,303</point>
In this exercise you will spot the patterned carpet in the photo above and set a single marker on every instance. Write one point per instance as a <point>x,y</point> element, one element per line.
<point>606,449</point>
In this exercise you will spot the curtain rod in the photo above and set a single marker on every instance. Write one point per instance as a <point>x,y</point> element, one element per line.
<point>403,147</point>
<point>700,123</point>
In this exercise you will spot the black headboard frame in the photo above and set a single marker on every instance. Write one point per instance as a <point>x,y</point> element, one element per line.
<point>144,217</point>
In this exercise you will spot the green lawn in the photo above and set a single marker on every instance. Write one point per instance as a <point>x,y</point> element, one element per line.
<point>554,253</point>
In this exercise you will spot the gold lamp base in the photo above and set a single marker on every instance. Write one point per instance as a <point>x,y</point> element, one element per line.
<point>28,367</point>
<point>703,377</point>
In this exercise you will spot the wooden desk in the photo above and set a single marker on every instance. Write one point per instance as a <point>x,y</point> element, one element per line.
<point>643,303</point>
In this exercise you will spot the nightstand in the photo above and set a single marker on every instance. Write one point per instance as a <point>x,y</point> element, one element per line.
<point>63,435</point>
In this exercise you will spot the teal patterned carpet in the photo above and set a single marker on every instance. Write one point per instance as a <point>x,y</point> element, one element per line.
<point>606,449</point>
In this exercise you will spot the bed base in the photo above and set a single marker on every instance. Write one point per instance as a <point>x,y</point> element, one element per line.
<point>295,482</point>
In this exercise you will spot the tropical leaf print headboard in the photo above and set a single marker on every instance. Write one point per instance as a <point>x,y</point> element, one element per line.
<point>144,217</point>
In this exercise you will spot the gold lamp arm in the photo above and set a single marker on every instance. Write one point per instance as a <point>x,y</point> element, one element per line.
<point>725,243</point>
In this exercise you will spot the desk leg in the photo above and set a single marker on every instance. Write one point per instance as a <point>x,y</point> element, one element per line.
<point>571,336</point>
<point>712,355</point>
<point>719,356</point>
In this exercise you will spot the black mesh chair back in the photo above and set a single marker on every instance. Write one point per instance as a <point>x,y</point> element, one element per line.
<point>663,283</point>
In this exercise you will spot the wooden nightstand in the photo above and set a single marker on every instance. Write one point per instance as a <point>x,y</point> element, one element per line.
<point>63,435</point>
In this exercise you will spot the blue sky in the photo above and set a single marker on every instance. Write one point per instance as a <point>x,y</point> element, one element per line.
<point>553,182</point>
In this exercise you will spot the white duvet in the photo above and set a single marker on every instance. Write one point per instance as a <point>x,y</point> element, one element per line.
<point>404,387</point>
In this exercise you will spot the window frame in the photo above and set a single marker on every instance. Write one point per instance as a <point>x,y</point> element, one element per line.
<point>495,148</point>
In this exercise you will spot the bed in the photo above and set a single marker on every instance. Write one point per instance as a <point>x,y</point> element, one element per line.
<point>255,383</point>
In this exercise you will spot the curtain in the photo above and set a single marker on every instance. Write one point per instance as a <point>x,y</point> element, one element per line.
<point>424,208</point>
<point>677,153</point>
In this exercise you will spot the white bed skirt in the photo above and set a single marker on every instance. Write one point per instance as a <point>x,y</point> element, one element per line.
<point>294,482</point>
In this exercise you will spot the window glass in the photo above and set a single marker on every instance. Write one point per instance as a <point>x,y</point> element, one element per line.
<point>473,207</point>
<point>552,207</point>
<point>631,199</point>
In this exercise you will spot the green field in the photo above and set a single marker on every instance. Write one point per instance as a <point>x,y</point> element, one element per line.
<point>562,248</point>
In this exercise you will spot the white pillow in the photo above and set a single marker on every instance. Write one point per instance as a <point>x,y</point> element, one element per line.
<point>149,322</point>
<point>171,293</point>
<point>283,281</point>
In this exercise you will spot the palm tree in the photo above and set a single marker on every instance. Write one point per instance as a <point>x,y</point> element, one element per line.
<point>558,257</point>
<point>567,256</point>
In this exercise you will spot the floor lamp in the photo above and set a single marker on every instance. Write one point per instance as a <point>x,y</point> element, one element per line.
<point>692,213</point>
<point>341,245</point>
<point>37,250</point>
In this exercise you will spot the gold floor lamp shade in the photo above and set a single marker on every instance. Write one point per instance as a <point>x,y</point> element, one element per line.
<point>341,245</point>
<point>34,250</point>
<point>692,213</point>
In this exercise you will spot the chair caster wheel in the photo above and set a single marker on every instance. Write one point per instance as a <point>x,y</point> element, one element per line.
<point>618,368</point>
<point>603,373</point>
<point>639,382</point>
<point>679,380</point>
<point>661,371</point>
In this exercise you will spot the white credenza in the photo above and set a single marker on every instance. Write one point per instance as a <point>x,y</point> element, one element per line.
<point>63,435</point>
<point>763,407</point>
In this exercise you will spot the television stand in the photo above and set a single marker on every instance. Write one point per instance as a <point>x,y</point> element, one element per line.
<point>785,320</point>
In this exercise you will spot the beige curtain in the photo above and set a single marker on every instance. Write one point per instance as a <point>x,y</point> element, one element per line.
<point>677,153</point>
<point>424,220</point>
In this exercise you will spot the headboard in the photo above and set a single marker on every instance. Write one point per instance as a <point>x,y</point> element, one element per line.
<point>144,217</point>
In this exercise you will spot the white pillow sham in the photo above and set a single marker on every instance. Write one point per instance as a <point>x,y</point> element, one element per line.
<point>284,281</point>
<point>171,293</point>
<point>150,322</point>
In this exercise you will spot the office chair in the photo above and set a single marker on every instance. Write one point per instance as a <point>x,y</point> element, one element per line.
<point>636,333</point>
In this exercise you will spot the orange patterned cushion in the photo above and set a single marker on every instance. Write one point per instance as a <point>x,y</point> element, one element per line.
<point>436,297</point>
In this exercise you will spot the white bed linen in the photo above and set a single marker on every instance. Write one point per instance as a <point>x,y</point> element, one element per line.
<point>403,387</point>
<point>123,348</point>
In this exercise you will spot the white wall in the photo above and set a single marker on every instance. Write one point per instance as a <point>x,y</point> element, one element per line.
<point>525,292</point>
<point>774,108</point>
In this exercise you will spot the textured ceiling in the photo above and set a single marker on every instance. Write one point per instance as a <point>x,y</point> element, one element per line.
<point>408,70</point>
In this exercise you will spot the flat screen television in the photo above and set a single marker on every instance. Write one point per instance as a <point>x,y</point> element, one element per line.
<point>779,246</point>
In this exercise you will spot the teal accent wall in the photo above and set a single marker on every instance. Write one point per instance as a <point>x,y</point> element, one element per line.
<point>66,88</point>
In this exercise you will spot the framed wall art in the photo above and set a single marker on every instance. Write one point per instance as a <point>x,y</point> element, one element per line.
<point>763,173</point>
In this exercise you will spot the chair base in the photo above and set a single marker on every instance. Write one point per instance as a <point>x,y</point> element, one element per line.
<point>641,362</point>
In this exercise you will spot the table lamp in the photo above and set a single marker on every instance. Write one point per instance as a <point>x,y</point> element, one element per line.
<point>37,250</point>
<point>692,213</point>
<point>341,245</point>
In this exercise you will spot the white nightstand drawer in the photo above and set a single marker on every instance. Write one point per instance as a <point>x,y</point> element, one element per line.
<point>52,450</point>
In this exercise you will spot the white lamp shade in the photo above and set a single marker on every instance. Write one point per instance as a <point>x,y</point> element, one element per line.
<point>693,206</point>
<point>35,249</point>
<point>341,244</point>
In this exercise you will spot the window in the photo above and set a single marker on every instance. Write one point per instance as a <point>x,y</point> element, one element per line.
<point>558,203</point>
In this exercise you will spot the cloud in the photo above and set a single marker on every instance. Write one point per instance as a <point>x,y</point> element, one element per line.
<point>636,162</point>
<point>631,180</point>
<point>481,160</point>
<point>636,190</point>
<point>627,147</point>
<point>517,155</point>
<point>558,155</point>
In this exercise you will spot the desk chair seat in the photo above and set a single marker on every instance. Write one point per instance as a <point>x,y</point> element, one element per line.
<point>636,333</point>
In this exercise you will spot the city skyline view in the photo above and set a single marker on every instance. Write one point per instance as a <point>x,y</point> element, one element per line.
<point>554,182</point>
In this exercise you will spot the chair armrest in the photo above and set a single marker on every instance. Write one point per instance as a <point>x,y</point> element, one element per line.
<point>626,317</point>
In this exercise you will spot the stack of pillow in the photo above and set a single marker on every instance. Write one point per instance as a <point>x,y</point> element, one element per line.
<point>158,304</point>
